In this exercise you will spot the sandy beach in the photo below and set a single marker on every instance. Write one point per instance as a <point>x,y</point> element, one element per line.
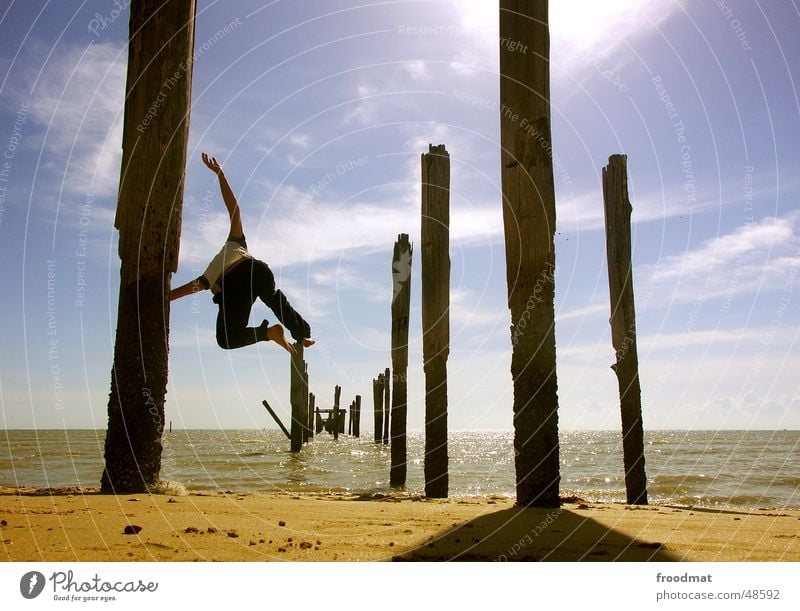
<point>82,525</point>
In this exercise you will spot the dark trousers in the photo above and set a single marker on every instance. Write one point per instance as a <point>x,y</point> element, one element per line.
<point>241,286</point>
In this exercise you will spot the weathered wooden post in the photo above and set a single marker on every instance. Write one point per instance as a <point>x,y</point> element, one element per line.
<point>298,398</point>
<point>149,208</point>
<point>529,218</point>
<point>377,398</point>
<point>387,405</point>
<point>337,393</point>
<point>401,304</point>
<point>350,420</point>
<point>357,418</point>
<point>311,414</point>
<point>623,323</point>
<point>435,237</point>
<point>307,431</point>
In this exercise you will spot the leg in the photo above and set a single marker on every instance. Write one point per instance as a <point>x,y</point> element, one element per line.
<point>264,284</point>
<point>235,302</point>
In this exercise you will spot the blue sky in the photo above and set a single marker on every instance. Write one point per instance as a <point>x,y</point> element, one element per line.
<point>319,111</point>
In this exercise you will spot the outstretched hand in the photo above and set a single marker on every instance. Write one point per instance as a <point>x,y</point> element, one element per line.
<point>212,164</point>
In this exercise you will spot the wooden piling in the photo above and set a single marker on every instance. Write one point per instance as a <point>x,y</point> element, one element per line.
<point>311,414</point>
<point>401,304</point>
<point>623,324</point>
<point>387,405</point>
<point>377,399</point>
<point>357,418</point>
<point>148,217</point>
<point>529,218</point>
<point>435,238</point>
<point>304,412</point>
<point>298,398</point>
<point>350,420</point>
<point>337,393</point>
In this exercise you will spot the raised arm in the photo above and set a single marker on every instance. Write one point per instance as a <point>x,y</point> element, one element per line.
<point>227,196</point>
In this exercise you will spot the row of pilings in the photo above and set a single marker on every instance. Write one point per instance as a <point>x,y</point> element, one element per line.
<point>148,218</point>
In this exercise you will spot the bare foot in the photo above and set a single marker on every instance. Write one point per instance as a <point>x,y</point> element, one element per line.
<point>308,342</point>
<point>275,334</point>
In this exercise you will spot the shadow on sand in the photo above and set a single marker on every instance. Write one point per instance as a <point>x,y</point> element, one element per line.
<point>535,534</point>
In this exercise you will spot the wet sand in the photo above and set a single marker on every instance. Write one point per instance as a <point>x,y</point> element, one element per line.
<point>82,525</point>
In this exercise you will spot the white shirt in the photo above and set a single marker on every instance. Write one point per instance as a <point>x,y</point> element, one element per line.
<point>233,252</point>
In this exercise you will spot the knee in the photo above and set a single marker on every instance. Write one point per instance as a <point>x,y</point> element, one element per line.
<point>223,341</point>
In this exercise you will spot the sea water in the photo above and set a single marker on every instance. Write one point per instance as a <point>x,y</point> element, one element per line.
<point>699,468</point>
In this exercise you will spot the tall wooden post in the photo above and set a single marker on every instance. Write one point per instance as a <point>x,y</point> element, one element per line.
<point>435,237</point>
<point>387,404</point>
<point>311,414</point>
<point>337,393</point>
<point>149,207</point>
<point>350,420</point>
<point>377,400</point>
<point>401,304</point>
<point>357,418</point>
<point>298,397</point>
<point>529,218</point>
<point>304,411</point>
<point>623,323</point>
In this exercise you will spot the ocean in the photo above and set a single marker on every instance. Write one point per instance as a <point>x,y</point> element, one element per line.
<point>752,469</point>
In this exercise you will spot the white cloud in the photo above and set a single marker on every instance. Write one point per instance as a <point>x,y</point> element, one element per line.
<point>302,141</point>
<point>366,107</point>
<point>755,257</point>
<point>418,70</point>
<point>584,312</point>
<point>78,98</point>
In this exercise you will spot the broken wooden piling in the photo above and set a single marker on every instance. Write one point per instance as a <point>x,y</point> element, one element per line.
<point>529,219</point>
<point>623,324</point>
<point>435,262</point>
<point>276,419</point>
<point>401,304</point>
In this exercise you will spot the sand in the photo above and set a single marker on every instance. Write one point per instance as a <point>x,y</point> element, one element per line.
<point>81,525</point>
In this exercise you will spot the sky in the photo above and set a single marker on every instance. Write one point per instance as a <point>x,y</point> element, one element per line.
<point>319,112</point>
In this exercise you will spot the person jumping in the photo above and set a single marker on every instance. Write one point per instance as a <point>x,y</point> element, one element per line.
<point>236,279</point>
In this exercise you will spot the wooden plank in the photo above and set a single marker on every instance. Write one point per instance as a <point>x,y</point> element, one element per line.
<point>618,209</point>
<point>529,219</point>
<point>435,238</point>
